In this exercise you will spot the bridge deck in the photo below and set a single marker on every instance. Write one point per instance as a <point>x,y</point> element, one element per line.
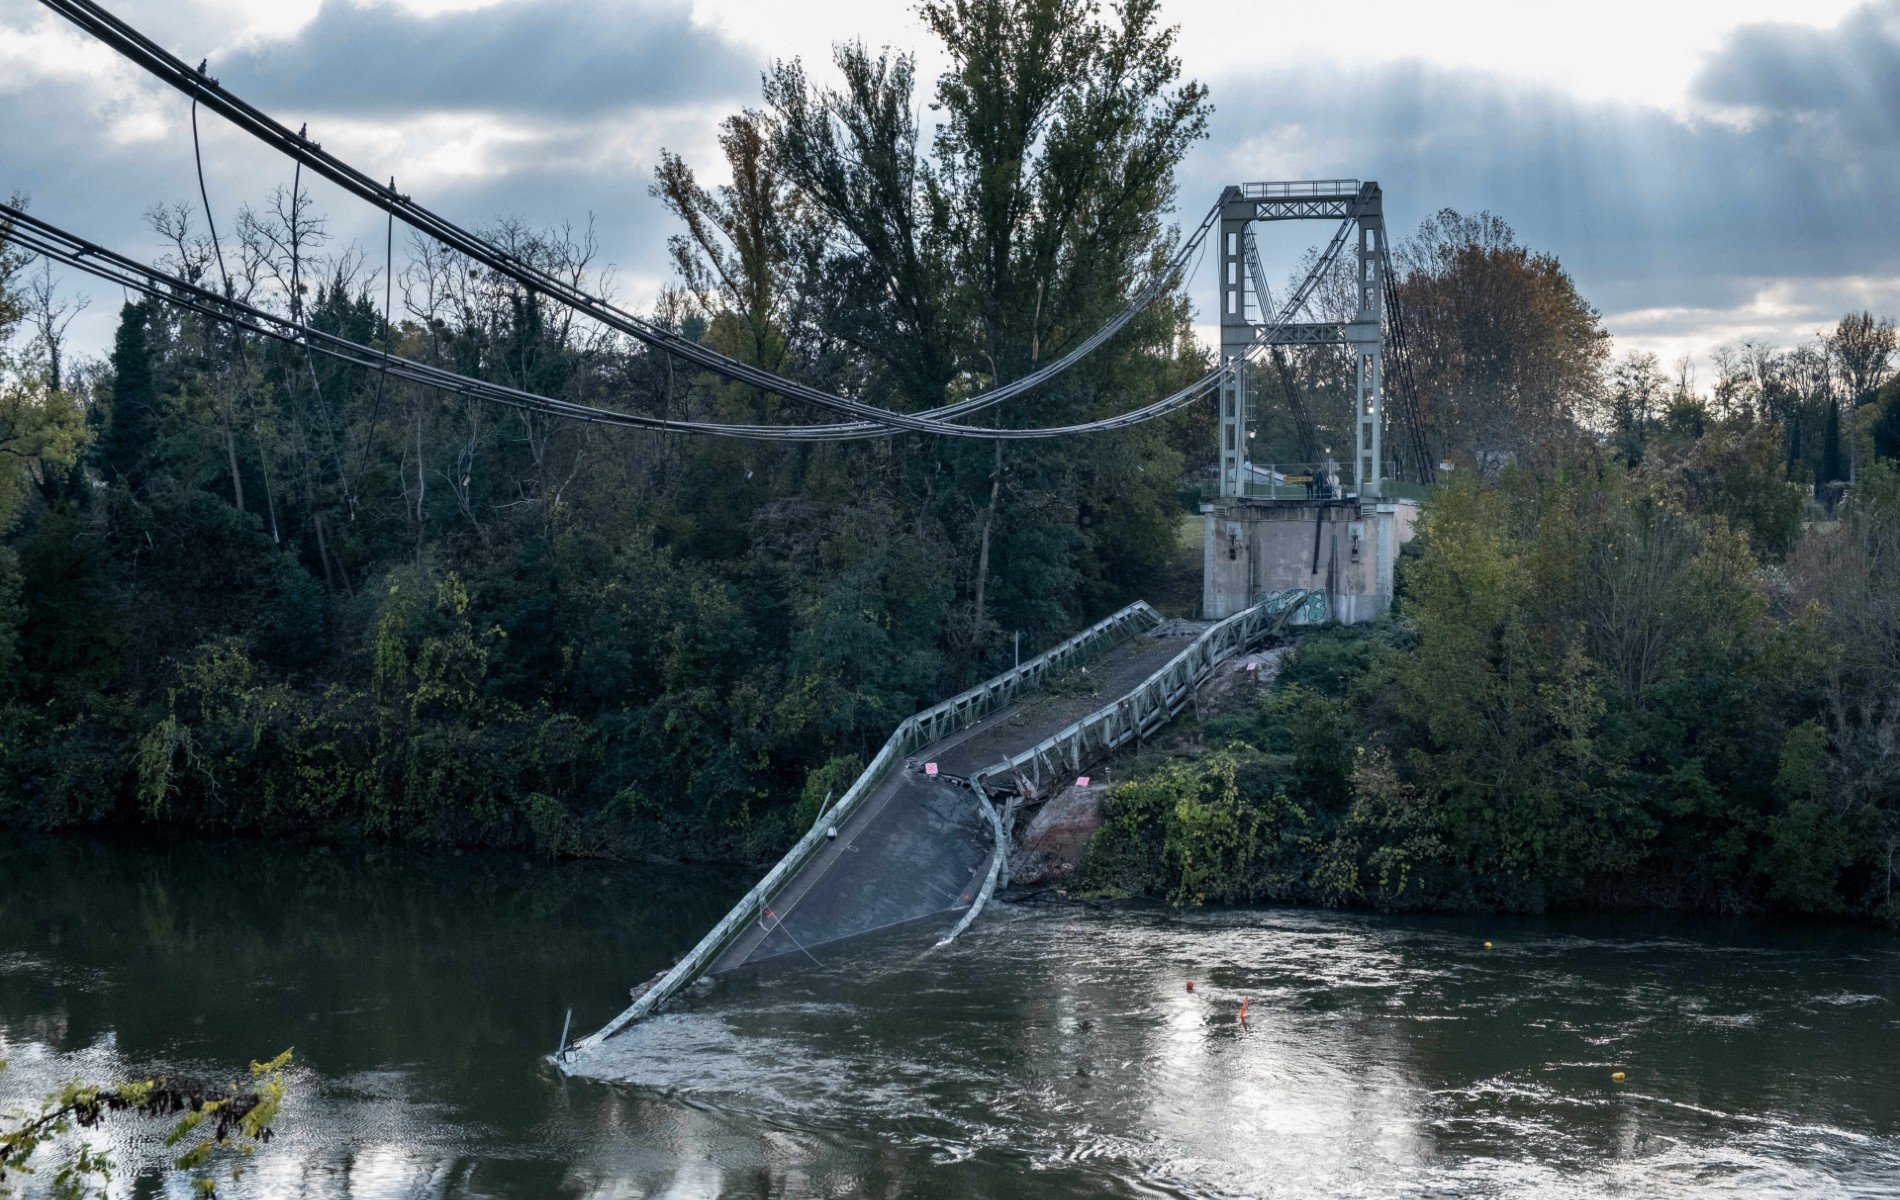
<point>921,846</point>
<point>1063,702</point>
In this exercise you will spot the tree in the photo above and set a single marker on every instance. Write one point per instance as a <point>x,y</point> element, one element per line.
<point>735,253</point>
<point>1597,686</point>
<point>1036,212</point>
<point>51,317</point>
<point>42,434</point>
<point>1849,575</point>
<point>1737,470</point>
<point>1833,466</point>
<point>131,423</point>
<point>1862,347</point>
<point>41,430</point>
<point>1884,430</point>
<point>1636,397</point>
<point>1508,356</point>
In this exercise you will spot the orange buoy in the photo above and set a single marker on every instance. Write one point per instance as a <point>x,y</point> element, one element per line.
<point>1190,985</point>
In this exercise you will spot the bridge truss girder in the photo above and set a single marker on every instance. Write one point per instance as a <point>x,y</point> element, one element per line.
<point>1328,199</point>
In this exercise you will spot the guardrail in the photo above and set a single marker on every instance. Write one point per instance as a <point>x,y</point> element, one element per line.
<point>1155,701</point>
<point>1294,481</point>
<point>930,725</point>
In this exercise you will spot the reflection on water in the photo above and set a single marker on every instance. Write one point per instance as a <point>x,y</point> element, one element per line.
<point>1055,1051</point>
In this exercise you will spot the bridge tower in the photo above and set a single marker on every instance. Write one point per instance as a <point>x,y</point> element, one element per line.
<point>1259,526</point>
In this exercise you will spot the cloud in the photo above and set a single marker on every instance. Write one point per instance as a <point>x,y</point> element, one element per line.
<point>1758,207</point>
<point>126,144</point>
<point>516,56</point>
<point>1695,213</point>
<point>1842,82</point>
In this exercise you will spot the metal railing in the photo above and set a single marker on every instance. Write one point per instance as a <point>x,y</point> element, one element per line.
<point>931,725</point>
<point>1310,481</point>
<point>1294,481</point>
<point>1154,702</point>
<point>1300,188</point>
<point>999,862</point>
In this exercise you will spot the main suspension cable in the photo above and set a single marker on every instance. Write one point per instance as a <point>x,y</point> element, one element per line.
<point>43,237</point>
<point>143,51</point>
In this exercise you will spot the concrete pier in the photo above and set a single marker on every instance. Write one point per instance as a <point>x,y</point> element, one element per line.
<point>1347,548</point>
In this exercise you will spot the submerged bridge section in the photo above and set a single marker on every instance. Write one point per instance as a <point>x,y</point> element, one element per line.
<point>923,841</point>
<point>923,832</point>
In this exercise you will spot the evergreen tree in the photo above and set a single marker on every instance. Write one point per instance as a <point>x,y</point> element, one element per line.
<point>132,421</point>
<point>1833,466</point>
<point>1886,422</point>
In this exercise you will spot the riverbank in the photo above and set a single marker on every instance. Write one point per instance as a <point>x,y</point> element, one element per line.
<point>1316,774</point>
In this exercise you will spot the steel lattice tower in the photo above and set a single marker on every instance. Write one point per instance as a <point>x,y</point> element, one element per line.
<point>1304,200</point>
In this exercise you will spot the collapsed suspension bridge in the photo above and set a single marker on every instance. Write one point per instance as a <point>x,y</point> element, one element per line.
<point>924,831</point>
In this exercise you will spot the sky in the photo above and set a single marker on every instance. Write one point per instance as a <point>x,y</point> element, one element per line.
<point>1706,171</point>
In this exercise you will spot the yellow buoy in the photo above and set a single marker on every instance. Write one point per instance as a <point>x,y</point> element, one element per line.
<point>1487,945</point>
<point>1616,1077</point>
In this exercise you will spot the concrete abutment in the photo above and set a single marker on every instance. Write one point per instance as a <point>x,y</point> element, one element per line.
<point>1347,548</point>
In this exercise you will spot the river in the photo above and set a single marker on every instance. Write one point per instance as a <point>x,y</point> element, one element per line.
<point>1055,1051</point>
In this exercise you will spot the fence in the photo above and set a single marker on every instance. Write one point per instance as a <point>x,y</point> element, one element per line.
<point>1155,701</point>
<point>1301,188</point>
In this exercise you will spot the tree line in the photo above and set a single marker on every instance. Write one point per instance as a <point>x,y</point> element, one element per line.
<point>1645,648</point>
<point>248,588</point>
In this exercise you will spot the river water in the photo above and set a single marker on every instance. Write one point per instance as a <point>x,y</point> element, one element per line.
<point>1055,1051</point>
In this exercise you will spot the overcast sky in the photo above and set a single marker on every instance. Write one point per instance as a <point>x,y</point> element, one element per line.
<point>1707,171</point>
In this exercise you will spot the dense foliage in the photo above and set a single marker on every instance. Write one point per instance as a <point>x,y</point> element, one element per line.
<point>1647,647</point>
<point>1593,693</point>
<point>248,589</point>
